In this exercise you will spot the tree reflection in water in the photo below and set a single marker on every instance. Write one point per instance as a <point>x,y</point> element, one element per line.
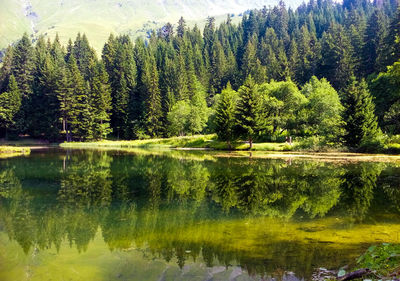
<point>260,214</point>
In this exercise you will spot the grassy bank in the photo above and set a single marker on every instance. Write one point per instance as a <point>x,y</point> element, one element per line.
<point>9,151</point>
<point>189,142</point>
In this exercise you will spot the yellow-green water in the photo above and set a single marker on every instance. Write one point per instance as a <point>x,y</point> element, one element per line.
<point>111,215</point>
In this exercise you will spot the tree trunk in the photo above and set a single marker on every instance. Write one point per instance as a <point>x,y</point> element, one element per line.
<point>229,145</point>
<point>251,143</point>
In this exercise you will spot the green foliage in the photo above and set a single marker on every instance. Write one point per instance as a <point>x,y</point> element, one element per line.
<point>178,118</point>
<point>324,110</point>
<point>225,114</point>
<point>189,117</point>
<point>337,63</point>
<point>384,259</point>
<point>133,90</point>
<point>10,102</point>
<point>283,103</point>
<point>386,90</point>
<point>362,125</point>
<point>249,112</point>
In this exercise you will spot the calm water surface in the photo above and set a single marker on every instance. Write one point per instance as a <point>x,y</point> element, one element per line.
<point>113,215</point>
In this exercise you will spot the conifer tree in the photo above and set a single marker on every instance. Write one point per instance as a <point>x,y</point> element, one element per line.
<point>373,49</point>
<point>6,69</point>
<point>22,69</point>
<point>362,124</point>
<point>225,115</point>
<point>152,106</point>
<point>10,102</point>
<point>392,40</point>
<point>249,112</point>
<point>100,100</point>
<point>83,54</point>
<point>337,64</point>
<point>251,65</point>
<point>181,27</point>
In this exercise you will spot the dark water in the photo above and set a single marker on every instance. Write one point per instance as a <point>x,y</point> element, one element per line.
<point>112,215</point>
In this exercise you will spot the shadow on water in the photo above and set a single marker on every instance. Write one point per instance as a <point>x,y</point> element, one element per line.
<point>189,216</point>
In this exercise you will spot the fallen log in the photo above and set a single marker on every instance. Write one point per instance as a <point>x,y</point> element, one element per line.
<point>355,274</point>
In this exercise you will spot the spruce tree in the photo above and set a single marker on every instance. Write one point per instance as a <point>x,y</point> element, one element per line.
<point>10,102</point>
<point>152,102</point>
<point>337,63</point>
<point>225,115</point>
<point>249,112</point>
<point>181,27</point>
<point>83,54</point>
<point>362,124</point>
<point>22,69</point>
<point>373,50</point>
<point>100,100</point>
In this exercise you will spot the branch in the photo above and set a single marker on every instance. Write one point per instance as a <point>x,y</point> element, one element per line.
<point>355,274</point>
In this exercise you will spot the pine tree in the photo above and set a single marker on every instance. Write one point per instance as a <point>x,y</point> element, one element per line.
<point>225,115</point>
<point>362,124</point>
<point>100,100</point>
<point>10,102</point>
<point>337,64</point>
<point>308,51</point>
<point>6,69</point>
<point>43,113</point>
<point>294,60</point>
<point>218,67</point>
<point>392,40</point>
<point>181,27</point>
<point>22,69</point>
<point>83,54</point>
<point>373,50</point>
<point>248,113</point>
<point>153,110</point>
<point>251,65</point>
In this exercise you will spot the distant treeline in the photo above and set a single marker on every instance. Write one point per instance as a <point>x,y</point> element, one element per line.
<point>320,70</point>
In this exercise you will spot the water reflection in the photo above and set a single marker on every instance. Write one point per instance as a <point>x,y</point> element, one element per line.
<point>268,216</point>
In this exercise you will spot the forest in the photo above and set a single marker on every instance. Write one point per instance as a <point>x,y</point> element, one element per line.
<point>327,71</point>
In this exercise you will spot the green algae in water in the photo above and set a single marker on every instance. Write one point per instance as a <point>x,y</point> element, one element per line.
<point>104,215</point>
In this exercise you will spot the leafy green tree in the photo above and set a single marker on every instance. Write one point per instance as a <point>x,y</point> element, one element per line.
<point>283,105</point>
<point>178,118</point>
<point>362,123</point>
<point>199,111</point>
<point>324,109</point>
<point>10,102</point>
<point>225,115</point>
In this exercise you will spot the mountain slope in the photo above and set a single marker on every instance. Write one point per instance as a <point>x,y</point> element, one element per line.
<point>98,18</point>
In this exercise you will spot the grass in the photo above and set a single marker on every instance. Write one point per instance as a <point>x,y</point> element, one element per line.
<point>188,142</point>
<point>10,151</point>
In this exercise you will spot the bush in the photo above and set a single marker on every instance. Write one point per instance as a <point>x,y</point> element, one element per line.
<point>373,145</point>
<point>317,144</point>
<point>384,259</point>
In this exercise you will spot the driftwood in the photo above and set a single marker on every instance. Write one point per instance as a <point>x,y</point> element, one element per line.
<point>355,274</point>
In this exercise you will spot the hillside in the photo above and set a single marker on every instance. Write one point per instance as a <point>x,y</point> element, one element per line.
<point>98,18</point>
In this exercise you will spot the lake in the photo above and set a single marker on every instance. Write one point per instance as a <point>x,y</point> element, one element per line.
<point>142,215</point>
